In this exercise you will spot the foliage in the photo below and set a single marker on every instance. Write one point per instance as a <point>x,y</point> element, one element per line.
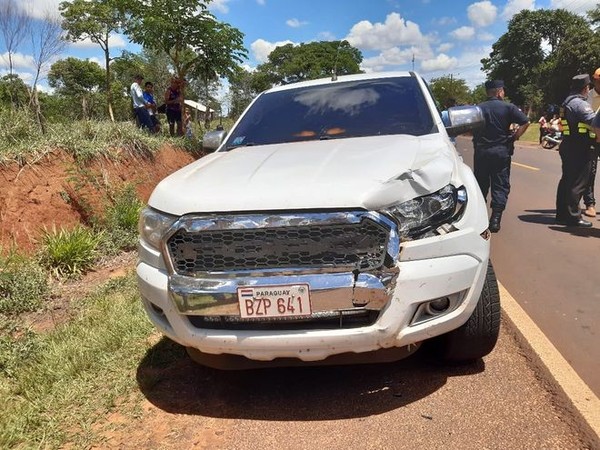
<point>241,91</point>
<point>121,219</point>
<point>292,63</point>
<point>23,283</point>
<point>194,40</point>
<point>69,252</point>
<point>545,49</point>
<point>478,94</point>
<point>95,20</point>
<point>56,385</point>
<point>13,91</point>
<point>76,79</point>
<point>448,90</point>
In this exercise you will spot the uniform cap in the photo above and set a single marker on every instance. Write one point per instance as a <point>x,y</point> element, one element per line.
<point>494,84</point>
<point>578,82</point>
<point>596,75</point>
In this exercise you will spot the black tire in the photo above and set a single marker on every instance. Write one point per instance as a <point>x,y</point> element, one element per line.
<point>478,336</point>
<point>547,144</point>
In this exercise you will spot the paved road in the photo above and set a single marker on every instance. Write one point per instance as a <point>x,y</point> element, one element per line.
<point>553,272</point>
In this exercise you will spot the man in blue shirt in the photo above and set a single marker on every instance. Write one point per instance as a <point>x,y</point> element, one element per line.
<point>140,105</point>
<point>494,146</point>
<point>149,97</point>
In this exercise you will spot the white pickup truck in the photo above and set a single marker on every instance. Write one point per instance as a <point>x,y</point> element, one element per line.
<point>334,223</point>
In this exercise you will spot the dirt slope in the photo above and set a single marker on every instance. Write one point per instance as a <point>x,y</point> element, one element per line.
<point>51,191</point>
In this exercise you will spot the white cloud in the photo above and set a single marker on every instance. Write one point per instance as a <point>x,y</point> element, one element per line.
<point>463,33</point>
<point>442,48</point>
<point>295,23</point>
<point>27,77</point>
<point>576,6</point>
<point>482,14</point>
<point>380,36</point>
<point>440,62</point>
<point>393,57</point>
<point>261,2</point>
<point>444,21</point>
<point>98,61</point>
<point>19,61</point>
<point>219,5</point>
<point>515,6</point>
<point>40,9</point>
<point>484,36</point>
<point>115,40</point>
<point>262,48</point>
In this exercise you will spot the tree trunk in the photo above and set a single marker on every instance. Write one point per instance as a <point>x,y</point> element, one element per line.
<point>108,90</point>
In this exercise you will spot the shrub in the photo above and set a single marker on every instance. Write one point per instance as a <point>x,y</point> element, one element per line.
<point>70,252</point>
<point>23,284</point>
<point>120,223</point>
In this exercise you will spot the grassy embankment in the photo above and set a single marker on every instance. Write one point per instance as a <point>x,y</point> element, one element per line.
<point>57,384</point>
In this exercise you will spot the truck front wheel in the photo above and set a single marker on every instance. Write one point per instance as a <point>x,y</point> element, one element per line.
<point>478,336</point>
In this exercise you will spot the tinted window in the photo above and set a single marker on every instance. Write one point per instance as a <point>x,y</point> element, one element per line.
<point>337,110</point>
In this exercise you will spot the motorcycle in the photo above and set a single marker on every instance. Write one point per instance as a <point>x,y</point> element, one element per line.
<point>551,138</point>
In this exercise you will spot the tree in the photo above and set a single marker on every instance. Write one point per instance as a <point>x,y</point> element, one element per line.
<point>96,20</point>
<point>195,41</point>
<point>447,88</point>
<point>241,92</point>
<point>78,79</point>
<point>13,91</point>
<point>478,94</point>
<point>14,26</point>
<point>292,63</point>
<point>46,43</point>
<point>542,49</point>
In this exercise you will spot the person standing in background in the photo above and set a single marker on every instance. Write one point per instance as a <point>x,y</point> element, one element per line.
<point>140,105</point>
<point>576,117</point>
<point>589,198</point>
<point>173,102</point>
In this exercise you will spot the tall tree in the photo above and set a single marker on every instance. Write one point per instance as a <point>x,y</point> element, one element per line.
<point>13,91</point>
<point>77,79</point>
<point>542,48</point>
<point>195,41</point>
<point>46,44</point>
<point>95,20</point>
<point>14,26</point>
<point>292,63</point>
<point>241,92</point>
<point>447,88</point>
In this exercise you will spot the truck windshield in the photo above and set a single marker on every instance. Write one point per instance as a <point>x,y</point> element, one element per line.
<point>338,110</point>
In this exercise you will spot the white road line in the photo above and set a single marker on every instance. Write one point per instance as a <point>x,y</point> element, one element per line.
<point>524,166</point>
<point>577,392</point>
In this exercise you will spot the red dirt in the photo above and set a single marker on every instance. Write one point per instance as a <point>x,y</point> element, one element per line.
<point>35,196</point>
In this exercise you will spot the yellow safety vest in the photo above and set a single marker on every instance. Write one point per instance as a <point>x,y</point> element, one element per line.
<point>582,128</point>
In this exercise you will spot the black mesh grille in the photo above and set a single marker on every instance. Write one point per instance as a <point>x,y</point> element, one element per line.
<point>361,245</point>
<point>319,321</point>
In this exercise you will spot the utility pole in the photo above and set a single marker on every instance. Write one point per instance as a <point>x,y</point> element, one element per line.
<point>413,62</point>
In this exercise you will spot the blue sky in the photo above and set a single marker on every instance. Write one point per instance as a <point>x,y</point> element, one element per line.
<point>445,36</point>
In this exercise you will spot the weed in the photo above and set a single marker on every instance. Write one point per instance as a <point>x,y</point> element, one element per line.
<point>69,252</point>
<point>121,219</point>
<point>23,283</point>
<point>56,386</point>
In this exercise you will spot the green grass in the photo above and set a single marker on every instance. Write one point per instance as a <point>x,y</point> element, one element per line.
<point>23,283</point>
<point>70,252</point>
<point>532,134</point>
<point>119,225</point>
<point>55,386</point>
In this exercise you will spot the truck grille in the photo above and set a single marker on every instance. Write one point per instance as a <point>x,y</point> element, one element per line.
<point>351,245</point>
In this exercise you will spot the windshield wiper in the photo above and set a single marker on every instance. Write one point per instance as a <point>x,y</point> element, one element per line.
<point>247,144</point>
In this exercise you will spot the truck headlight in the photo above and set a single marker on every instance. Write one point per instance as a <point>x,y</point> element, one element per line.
<point>421,215</point>
<point>153,225</point>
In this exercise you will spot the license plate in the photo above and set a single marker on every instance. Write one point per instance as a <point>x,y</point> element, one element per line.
<point>274,301</point>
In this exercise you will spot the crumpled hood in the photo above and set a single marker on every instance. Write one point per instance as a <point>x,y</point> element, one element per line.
<point>369,172</point>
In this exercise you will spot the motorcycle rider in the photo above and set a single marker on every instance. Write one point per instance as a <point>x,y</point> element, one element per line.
<point>588,197</point>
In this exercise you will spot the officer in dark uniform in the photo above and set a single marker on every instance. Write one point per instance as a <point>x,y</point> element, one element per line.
<point>575,152</point>
<point>494,146</point>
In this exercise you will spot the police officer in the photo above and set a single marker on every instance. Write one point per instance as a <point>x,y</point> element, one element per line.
<point>494,146</point>
<point>575,152</point>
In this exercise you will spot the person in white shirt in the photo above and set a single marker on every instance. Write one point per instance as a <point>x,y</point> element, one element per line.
<point>140,105</point>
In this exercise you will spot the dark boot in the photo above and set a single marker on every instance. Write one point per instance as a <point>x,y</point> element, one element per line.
<point>495,221</point>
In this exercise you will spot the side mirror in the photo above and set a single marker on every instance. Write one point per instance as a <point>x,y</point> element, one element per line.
<point>463,119</point>
<point>213,139</point>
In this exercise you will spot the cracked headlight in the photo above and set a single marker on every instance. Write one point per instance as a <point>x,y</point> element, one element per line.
<point>153,225</point>
<point>422,215</point>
